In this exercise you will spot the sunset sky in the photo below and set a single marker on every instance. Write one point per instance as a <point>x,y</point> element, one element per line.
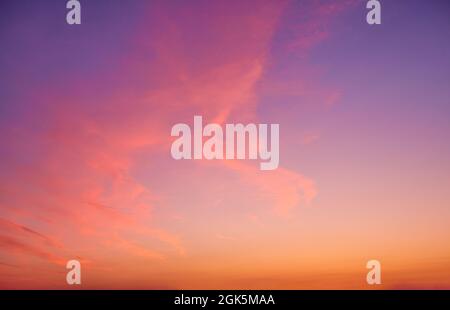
<point>86,172</point>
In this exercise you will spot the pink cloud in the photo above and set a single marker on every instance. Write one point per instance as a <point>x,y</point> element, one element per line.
<point>82,183</point>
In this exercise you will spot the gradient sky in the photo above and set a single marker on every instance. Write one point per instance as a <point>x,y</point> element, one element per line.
<point>85,165</point>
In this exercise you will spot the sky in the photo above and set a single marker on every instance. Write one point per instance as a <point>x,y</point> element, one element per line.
<point>86,173</point>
